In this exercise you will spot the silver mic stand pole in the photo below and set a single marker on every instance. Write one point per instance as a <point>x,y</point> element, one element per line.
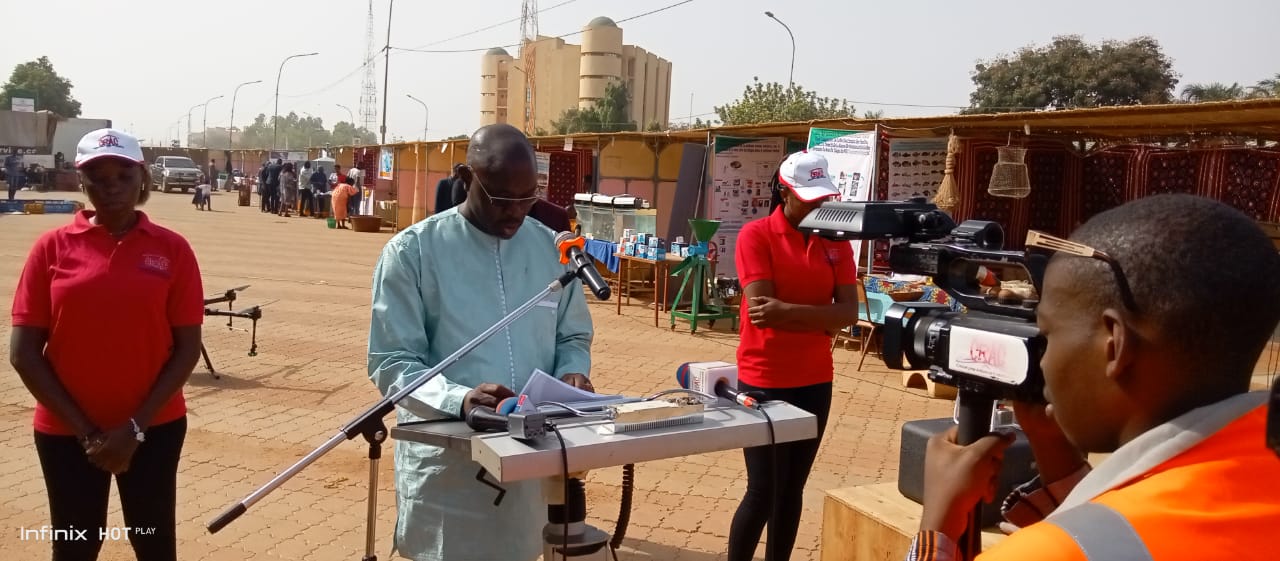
<point>369,424</point>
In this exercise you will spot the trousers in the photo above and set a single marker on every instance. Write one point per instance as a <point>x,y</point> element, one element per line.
<point>779,471</point>
<point>78,492</point>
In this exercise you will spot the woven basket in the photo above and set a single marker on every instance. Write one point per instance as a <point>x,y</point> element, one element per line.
<point>906,295</point>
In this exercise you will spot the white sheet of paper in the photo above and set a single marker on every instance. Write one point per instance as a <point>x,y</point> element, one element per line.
<point>543,387</point>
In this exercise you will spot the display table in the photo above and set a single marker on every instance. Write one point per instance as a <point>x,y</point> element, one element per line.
<point>660,271</point>
<point>873,523</point>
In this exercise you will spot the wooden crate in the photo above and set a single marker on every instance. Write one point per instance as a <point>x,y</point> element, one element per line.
<point>873,523</point>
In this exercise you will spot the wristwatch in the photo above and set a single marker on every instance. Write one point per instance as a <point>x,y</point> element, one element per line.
<point>137,431</point>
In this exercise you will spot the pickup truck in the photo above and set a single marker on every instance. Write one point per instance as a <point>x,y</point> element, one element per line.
<point>175,172</point>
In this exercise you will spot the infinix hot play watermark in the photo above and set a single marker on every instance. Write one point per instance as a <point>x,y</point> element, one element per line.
<point>72,534</point>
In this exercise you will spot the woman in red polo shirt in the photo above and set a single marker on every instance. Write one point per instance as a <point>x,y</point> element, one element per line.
<point>106,330</point>
<point>799,290</point>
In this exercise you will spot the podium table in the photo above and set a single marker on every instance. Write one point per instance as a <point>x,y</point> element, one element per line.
<point>591,445</point>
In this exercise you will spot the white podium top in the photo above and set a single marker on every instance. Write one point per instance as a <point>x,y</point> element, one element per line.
<point>591,445</point>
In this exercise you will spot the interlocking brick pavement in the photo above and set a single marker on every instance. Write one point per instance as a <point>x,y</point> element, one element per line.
<point>309,378</point>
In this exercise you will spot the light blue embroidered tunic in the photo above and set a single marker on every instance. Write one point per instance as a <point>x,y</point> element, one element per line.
<point>437,285</point>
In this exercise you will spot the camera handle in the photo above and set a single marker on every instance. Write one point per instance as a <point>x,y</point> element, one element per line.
<point>973,415</point>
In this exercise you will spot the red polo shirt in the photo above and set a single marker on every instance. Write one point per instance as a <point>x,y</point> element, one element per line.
<point>803,272</point>
<point>109,306</point>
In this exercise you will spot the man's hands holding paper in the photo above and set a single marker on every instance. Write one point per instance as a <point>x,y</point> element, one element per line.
<point>487,395</point>
<point>579,381</point>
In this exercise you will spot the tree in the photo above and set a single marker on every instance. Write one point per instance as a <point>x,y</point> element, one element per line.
<point>294,133</point>
<point>459,137</point>
<point>1216,91</point>
<point>774,103</point>
<point>1070,73</point>
<point>608,114</point>
<point>1269,87</point>
<point>37,79</point>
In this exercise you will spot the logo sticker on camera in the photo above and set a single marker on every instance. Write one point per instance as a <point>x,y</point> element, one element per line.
<point>999,358</point>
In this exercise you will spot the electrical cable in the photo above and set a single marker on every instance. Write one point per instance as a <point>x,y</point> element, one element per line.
<point>564,475</point>
<point>773,453</point>
<point>624,510</point>
<point>562,36</point>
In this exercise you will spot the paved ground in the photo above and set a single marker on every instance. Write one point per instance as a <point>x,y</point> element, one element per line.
<point>309,378</point>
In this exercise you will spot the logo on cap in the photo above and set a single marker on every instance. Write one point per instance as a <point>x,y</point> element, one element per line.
<point>109,140</point>
<point>817,173</point>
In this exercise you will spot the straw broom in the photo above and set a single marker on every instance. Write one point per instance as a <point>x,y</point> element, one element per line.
<point>948,198</point>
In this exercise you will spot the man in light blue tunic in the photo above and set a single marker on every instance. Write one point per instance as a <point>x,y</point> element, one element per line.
<point>437,285</point>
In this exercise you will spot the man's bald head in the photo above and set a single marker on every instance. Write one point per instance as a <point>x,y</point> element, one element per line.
<point>493,148</point>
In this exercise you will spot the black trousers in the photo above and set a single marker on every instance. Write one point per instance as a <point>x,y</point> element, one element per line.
<point>78,493</point>
<point>786,482</point>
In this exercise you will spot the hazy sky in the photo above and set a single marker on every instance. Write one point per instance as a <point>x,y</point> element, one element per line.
<point>143,63</point>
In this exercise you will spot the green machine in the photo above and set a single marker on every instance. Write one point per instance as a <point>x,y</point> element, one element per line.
<point>697,275</point>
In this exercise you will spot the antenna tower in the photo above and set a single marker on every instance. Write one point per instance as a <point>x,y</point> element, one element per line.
<point>529,38</point>
<point>369,88</point>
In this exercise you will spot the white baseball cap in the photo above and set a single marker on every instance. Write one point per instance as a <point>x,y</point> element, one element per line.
<point>806,174</point>
<point>108,142</point>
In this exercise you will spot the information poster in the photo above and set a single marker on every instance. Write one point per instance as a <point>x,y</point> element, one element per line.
<point>741,169</point>
<point>916,167</point>
<point>544,169</point>
<point>386,163</point>
<point>851,156</point>
<point>851,162</point>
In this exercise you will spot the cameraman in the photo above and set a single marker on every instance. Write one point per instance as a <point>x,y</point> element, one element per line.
<point>1160,380</point>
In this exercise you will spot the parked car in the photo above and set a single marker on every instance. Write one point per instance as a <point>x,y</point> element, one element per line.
<point>175,172</point>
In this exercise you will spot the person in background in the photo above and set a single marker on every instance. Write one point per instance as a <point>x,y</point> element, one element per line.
<point>288,190</point>
<point>262,187</point>
<point>13,174</point>
<point>460,184</point>
<point>1189,474</point>
<point>319,188</point>
<point>550,214</point>
<point>355,176</point>
<point>337,177</point>
<point>423,312</point>
<point>800,290</point>
<point>212,180</point>
<point>342,193</point>
<point>273,186</point>
<point>203,198</point>
<point>305,195</point>
<point>106,331</point>
<point>444,190</point>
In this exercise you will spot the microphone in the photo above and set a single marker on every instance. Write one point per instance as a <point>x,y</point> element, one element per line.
<point>491,419</point>
<point>719,385</point>
<point>570,246</point>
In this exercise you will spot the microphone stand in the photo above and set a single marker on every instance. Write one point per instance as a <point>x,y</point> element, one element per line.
<point>369,425</point>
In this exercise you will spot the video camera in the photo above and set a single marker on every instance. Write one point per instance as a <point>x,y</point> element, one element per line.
<point>994,349</point>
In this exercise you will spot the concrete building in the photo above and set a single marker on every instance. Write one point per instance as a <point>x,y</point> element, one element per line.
<point>567,76</point>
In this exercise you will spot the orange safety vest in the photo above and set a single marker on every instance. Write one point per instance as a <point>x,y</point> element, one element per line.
<point>1220,499</point>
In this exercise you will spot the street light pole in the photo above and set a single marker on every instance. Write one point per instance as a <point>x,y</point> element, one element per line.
<point>204,123</point>
<point>386,71</point>
<point>231,128</point>
<point>352,117</point>
<point>425,119</point>
<point>275,120</point>
<point>791,76</point>
<point>188,139</point>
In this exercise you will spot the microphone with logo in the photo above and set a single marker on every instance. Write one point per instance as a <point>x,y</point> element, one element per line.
<point>714,378</point>
<point>570,246</point>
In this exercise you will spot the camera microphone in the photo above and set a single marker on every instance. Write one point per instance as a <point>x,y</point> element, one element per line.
<point>704,379</point>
